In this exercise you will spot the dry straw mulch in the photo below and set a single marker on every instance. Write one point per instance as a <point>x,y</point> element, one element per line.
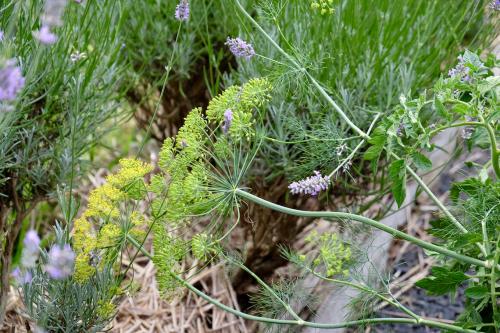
<point>147,311</point>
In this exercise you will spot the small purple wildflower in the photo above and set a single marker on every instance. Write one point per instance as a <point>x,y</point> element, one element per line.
<point>311,185</point>
<point>460,71</point>
<point>182,11</point>
<point>228,119</point>
<point>240,48</point>
<point>11,81</point>
<point>1,36</point>
<point>45,36</point>
<point>31,249</point>
<point>495,5</point>
<point>22,277</point>
<point>60,262</point>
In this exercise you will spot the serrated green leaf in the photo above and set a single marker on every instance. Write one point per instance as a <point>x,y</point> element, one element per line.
<point>442,281</point>
<point>397,174</point>
<point>477,292</point>
<point>421,161</point>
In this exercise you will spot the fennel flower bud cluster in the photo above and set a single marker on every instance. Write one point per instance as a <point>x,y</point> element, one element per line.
<point>104,210</point>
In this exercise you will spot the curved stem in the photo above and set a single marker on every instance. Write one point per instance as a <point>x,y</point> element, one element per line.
<point>367,290</point>
<point>465,123</point>
<point>367,221</point>
<point>361,322</point>
<point>494,150</point>
<point>287,307</point>
<point>434,198</point>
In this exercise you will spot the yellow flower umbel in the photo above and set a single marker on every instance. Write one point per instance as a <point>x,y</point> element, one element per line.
<point>100,229</point>
<point>334,255</point>
<point>323,6</point>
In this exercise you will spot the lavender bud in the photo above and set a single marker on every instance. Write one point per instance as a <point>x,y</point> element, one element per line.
<point>45,36</point>
<point>182,11</point>
<point>11,81</point>
<point>240,48</point>
<point>311,185</point>
<point>61,261</point>
<point>228,119</point>
<point>495,5</point>
<point>1,36</point>
<point>22,277</point>
<point>31,249</point>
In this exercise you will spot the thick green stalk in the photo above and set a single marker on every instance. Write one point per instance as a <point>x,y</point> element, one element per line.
<point>361,322</point>
<point>367,221</point>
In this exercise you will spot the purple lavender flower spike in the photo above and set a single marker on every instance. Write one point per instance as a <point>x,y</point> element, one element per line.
<point>11,81</point>
<point>1,36</point>
<point>182,11</point>
<point>45,36</point>
<point>240,48</point>
<point>31,249</point>
<point>228,119</point>
<point>61,261</point>
<point>311,185</point>
<point>495,5</point>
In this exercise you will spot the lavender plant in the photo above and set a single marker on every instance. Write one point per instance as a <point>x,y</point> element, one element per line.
<point>56,97</point>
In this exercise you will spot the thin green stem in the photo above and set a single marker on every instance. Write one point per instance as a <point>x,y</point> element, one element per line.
<point>164,85</point>
<point>367,290</point>
<point>464,123</point>
<point>494,149</point>
<point>355,150</point>
<point>300,68</point>
<point>367,221</point>
<point>493,288</point>
<point>434,198</point>
<point>267,287</point>
<point>361,322</point>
